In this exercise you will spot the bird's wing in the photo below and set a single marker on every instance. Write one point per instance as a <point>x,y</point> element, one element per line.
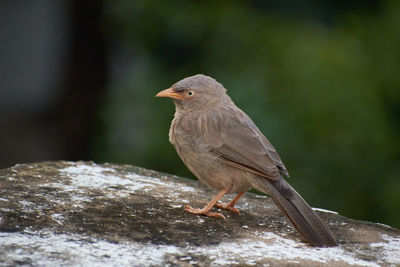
<point>233,135</point>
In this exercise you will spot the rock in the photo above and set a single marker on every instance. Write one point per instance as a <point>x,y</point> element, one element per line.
<point>67,213</point>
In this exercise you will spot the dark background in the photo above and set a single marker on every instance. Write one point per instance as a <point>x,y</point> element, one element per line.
<point>320,78</point>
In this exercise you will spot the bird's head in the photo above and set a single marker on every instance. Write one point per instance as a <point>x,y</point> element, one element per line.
<point>195,92</point>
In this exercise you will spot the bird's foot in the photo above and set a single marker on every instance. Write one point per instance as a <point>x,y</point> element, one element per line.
<point>227,206</point>
<point>204,212</point>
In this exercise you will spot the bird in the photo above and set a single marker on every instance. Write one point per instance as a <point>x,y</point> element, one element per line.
<point>225,150</point>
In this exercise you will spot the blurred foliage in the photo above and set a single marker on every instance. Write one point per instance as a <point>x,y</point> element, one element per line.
<point>327,95</point>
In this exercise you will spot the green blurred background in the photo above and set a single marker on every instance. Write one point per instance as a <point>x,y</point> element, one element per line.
<point>321,79</point>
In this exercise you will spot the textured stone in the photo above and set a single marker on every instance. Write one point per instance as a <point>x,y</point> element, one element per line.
<point>80,213</point>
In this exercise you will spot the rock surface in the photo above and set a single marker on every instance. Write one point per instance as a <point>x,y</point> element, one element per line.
<point>67,213</point>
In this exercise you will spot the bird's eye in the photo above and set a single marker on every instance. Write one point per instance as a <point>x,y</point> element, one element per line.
<point>190,93</point>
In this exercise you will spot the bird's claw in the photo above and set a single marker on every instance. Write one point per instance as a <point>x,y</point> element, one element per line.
<point>227,206</point>
<point>204,212</point>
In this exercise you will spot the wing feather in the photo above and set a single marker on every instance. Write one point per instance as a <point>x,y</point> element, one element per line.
<point>240,143</point>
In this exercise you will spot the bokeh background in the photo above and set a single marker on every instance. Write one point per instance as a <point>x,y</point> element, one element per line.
<point>321,79</point>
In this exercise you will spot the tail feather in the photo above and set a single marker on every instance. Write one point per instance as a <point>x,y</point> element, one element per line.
<point>296,209</point>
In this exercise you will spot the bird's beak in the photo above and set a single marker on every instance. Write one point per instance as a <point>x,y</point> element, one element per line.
<point>170,93</point>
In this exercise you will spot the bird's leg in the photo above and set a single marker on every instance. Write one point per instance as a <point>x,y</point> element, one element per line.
<point>231,205</point>
<point>206,210</point>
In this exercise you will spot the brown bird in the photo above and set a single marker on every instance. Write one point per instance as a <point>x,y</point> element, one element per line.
<point>225,150</point>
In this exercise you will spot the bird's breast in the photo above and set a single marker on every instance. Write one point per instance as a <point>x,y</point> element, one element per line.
<point>187,137</point>
<point>190,145</point>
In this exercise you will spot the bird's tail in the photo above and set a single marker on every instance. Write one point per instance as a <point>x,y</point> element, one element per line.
<point>296,209</point>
